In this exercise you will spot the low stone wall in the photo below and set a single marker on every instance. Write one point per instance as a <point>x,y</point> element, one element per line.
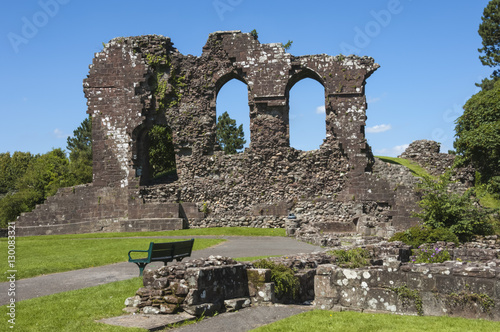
<point>390,284</point>
<point>486,251</point>
<point>469,290</point>
<point>202,286</point>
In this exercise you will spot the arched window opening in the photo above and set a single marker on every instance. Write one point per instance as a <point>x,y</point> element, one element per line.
<point>158,156</point>
<point>307,124</point>
<point>232,104</point>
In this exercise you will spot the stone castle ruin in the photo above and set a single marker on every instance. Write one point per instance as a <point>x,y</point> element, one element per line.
<point>137,83</point>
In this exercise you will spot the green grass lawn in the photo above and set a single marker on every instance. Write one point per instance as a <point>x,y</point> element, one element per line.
<point>347,321</point>
<point>215,231</point>
<point>74,310</point>
<point>37,255</point>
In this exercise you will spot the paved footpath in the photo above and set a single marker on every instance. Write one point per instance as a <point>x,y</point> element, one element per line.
<point>234,246</point>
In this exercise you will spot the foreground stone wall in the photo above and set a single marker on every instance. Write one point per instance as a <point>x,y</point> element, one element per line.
<point>391,284</point>
<point>449,289</point>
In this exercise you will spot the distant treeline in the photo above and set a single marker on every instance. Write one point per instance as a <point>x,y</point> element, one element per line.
<point>27,179</point>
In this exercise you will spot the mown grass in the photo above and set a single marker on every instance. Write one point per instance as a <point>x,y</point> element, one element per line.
<point>321,320</point>
<point>74,310</point>
<point>80,309</point>
<point>37,255</point>
<point>215,231</point>
<point>43,255</point>
<point>415,169</point>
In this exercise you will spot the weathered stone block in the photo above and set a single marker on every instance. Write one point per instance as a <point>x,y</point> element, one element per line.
<point>169,308</point>
<point>236,304</point>
<point>265,294</point>
<point>133,301</point>
<point>206,309</point>
<point>173,299</point>
<point>148,310</point>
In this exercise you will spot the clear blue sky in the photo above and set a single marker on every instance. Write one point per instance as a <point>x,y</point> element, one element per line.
<point>427,51</point>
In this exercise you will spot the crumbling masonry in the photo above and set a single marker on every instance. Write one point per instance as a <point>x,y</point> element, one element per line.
<point>136,83</point>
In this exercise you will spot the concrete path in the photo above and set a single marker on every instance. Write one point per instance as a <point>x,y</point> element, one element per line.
<point>246,319</point>
<point>235,246</point>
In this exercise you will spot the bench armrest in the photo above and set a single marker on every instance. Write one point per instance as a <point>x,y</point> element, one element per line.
<point>136,251</point>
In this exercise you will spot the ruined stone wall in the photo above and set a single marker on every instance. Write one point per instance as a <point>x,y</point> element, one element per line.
<point>85,209</point>
<point>426,154</point>
<point>389,284</point>
<point>447,289</point>
<point>136,83</point>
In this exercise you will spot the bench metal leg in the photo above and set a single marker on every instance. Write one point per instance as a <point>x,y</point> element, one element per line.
<point>141,268</point>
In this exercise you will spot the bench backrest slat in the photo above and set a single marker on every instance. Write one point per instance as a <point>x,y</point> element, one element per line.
<point>161,251</point>
<point>171,249</point>
<point>183,247</point>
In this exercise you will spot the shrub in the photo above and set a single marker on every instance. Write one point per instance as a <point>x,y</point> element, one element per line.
<point>418,235</point>
<point>352,258</point>
<point>285,281</point>
<point>461,214</point>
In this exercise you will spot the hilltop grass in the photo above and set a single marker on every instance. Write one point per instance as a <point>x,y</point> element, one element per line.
<point>43,255</point>
<point>487,199</point>
<point>347,321</point>
<point>415,169</point>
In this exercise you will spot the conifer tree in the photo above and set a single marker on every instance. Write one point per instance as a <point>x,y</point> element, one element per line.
<point>229,137</point>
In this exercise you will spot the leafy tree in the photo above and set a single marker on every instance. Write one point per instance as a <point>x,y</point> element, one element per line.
<point>478,136</point>
<point>27,180</point>
<point>12,205</point>
<point>461,214</point>
<point>12,168</point>
<point>229,137</point>
<point>161,150</point>
<point>46,174</point>
<point>42,177</point>
<point>489,30</point>
<point>80,153</point>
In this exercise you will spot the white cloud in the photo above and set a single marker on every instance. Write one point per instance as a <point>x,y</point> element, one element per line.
<point>372,100</point>
<point>320,109</point>
<point>392,152</point>
<point>58,133</point>
<point>378,128</point>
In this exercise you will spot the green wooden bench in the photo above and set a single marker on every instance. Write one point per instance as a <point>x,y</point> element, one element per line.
<point>162,252</point>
